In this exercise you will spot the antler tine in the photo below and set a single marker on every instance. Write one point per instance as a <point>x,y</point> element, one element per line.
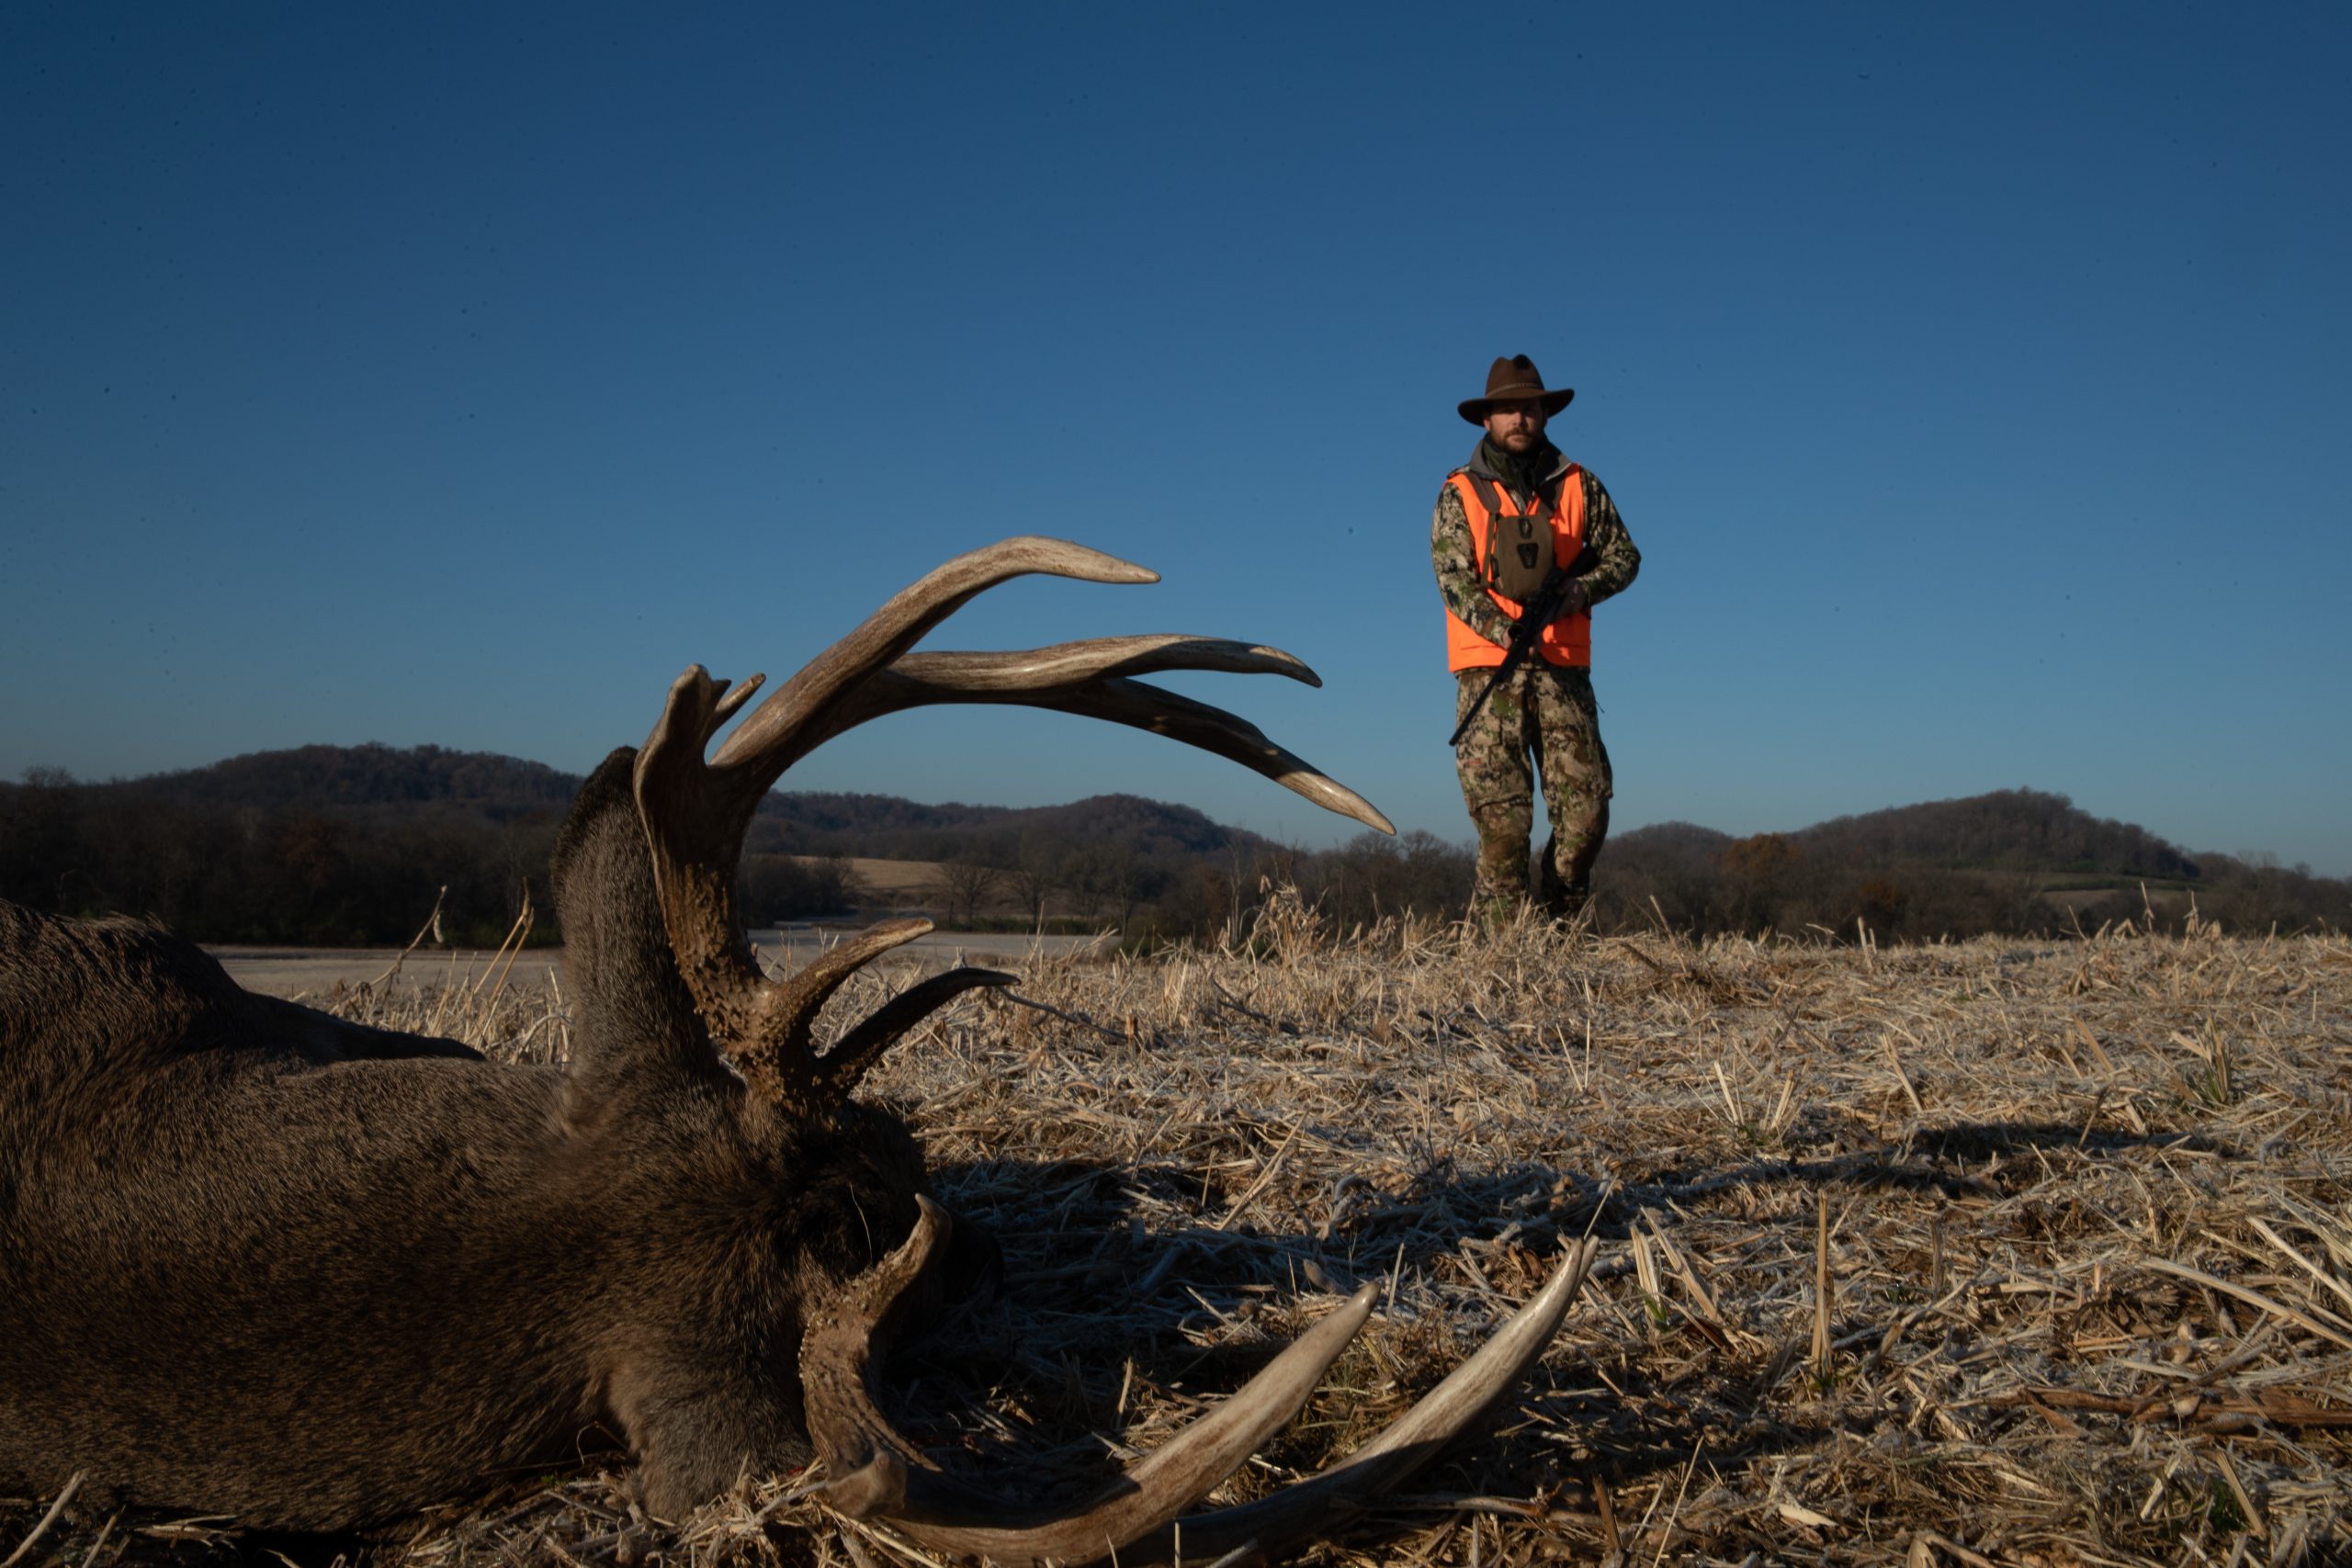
<point>878,1473</point>
<point>1252,1532</point>
<point>1070,663</point>
<point>1146,706</point>
<point>840,1067</point>
<point>890,631</point>
<point>795,1003</point>
<point>1090,679</point>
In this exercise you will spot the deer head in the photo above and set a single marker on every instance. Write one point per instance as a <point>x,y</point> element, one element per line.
<point>693,1236</point>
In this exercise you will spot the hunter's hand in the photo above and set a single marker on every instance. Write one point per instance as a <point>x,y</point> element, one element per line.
<point>1570,600</point>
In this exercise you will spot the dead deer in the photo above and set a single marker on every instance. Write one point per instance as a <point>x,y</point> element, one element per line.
<point>258,1261</point>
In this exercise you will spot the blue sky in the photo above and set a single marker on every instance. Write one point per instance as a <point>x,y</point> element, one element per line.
<point>1973,380</point>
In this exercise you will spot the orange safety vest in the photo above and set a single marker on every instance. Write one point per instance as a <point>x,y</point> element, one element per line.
<point>1567,641</point>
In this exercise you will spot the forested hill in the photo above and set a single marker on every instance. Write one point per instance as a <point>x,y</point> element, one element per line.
<point>2020,830</point>
<point>884,827</point>
<point>2009,829</point>
<point>2017,861</point>
<point>376,782</point>
<point>331,778</point>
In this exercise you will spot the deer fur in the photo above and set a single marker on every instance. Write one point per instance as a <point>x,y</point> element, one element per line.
<point>257,1260</point>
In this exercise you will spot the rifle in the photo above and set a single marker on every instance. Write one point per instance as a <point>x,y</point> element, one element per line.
<point>1527,631</point>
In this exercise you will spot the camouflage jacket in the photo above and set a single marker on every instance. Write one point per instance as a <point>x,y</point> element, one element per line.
<point>1456,561</point>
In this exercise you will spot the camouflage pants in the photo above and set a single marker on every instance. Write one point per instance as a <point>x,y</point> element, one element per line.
<point>1545,714</point>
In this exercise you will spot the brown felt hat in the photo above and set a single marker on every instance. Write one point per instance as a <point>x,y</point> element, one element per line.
<point>1511,380</point>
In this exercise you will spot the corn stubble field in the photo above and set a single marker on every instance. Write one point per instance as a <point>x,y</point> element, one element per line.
<point>1998,1252</point>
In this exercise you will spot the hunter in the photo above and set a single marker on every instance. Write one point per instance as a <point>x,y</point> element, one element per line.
<point>1522,531</point>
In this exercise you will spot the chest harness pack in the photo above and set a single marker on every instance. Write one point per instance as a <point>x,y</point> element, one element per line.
<point>1515,550</point>
<point>1517,556</point>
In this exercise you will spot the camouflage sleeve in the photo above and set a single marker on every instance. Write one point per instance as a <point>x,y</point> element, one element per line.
<point>1605,532</point>
<point>1455,560</point>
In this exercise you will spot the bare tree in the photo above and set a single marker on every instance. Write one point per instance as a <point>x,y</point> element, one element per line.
<point>260,1261</point>
<point>1092,872</point>
<point>1039,871</point>
<point>962,887</point>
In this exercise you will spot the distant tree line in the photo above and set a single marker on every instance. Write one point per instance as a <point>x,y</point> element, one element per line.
<point>1043,882</point>
<point>256,873</point>
<point>355,846</point>
<point>361,876</point>
<point>2018,862</point>
<point>2010,829</point>
<point>885,828</point>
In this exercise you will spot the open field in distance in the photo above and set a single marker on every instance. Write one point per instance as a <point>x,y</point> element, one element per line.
<point>2026,1253</point>
<point>312,973</point>
<point>890,880</point>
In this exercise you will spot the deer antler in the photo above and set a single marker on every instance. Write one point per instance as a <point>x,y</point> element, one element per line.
<point>876,1473</point>
<point>696,812</point>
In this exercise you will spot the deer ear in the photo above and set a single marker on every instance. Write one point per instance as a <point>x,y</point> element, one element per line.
<point>634,1022</point>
